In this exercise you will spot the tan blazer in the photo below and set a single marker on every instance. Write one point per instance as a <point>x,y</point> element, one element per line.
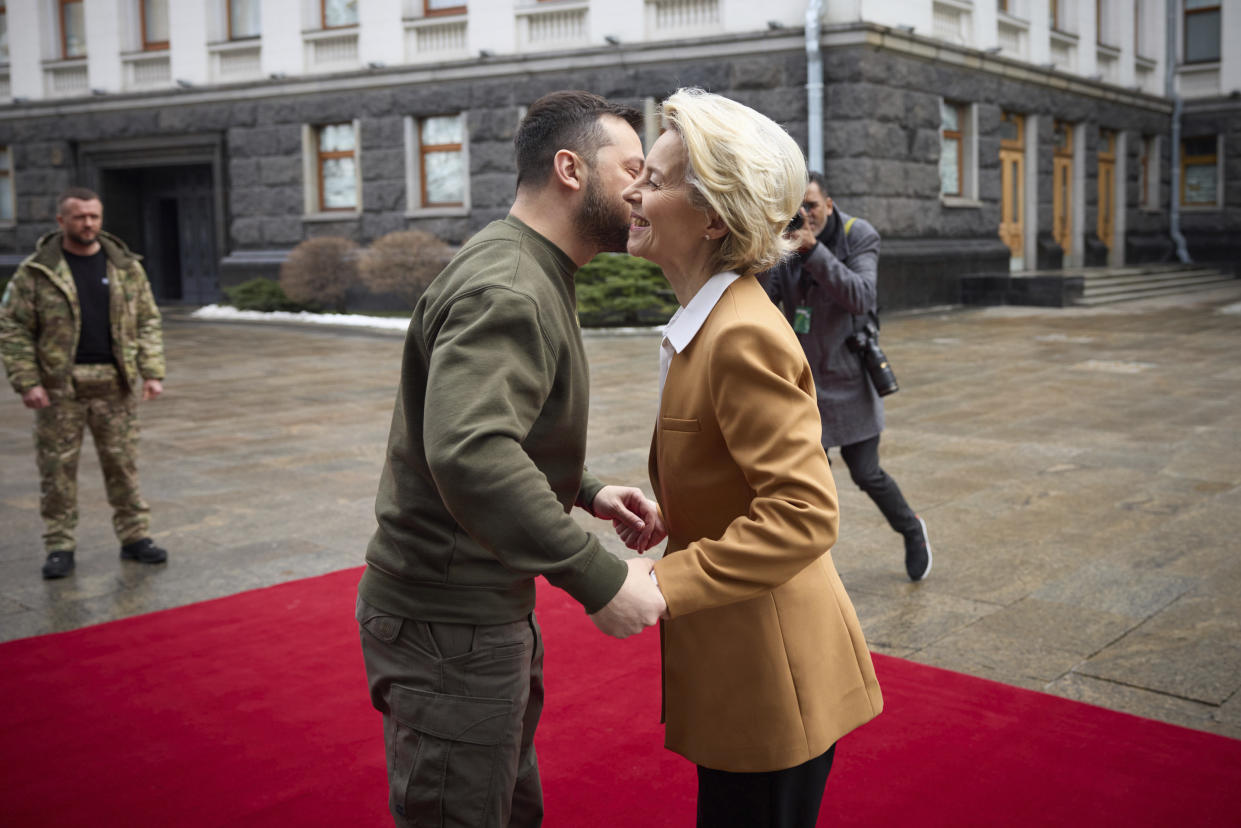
<point>764,662</point>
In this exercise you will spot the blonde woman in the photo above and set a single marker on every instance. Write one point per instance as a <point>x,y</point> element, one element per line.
<point>765,666</point>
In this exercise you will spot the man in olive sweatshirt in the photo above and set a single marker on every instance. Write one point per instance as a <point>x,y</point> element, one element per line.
<point>485,459</point>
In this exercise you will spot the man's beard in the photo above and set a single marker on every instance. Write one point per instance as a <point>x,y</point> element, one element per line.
<point>601,222</point>
<point>81,241</point>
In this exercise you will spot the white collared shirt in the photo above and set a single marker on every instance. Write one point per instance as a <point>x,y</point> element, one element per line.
<point>688,320</point>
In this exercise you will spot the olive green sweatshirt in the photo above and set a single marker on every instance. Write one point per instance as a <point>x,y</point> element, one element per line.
<point>486,453</point>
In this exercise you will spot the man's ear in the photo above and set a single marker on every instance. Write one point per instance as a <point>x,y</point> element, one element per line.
<point>569,169</point>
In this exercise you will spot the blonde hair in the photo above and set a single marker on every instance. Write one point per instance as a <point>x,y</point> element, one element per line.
<point>743,166</point>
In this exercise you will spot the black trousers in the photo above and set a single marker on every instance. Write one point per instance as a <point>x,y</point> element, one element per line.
<point>863,462</point>
<point>787,798</point>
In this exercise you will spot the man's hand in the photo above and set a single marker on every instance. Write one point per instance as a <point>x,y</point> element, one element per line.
<point>803,238</point>
<point>36,398</point>
<point>151,389</point>
<point>634,516</point>
<point>637,605</point>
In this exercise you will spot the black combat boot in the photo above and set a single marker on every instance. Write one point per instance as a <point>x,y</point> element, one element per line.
<point>143,551</point>
<point>58,564</point>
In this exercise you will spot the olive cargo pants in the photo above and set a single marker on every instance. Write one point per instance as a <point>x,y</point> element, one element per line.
<point>460,704</point>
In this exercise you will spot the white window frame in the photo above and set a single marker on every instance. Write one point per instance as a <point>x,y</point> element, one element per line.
<point>968,127</point>
<point>310,173</point>
<point>1219,181</point>
<point>414,207</point>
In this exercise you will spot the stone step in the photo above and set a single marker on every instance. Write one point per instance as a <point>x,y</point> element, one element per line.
<point>1135,284</point>
<point>1124,275</point>
<point>1147,293</point>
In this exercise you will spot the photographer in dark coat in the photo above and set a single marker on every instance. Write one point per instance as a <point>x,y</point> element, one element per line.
<point>828,292</point>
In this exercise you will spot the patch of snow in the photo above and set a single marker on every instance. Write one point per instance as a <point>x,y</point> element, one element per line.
<point>348,320</point>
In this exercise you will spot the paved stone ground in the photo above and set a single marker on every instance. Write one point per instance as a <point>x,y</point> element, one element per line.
<point>1079,471</point>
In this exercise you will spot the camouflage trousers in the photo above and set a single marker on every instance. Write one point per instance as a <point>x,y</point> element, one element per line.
<point>97,399</point>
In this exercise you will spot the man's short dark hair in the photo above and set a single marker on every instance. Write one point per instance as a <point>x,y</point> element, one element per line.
<point>80,193</point>
<point>564,120</point>
<point>817,178</point>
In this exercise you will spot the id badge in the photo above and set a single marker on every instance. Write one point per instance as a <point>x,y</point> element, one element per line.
<point>801,320</point>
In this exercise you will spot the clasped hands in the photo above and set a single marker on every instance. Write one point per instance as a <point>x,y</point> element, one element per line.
<point>639,603</point>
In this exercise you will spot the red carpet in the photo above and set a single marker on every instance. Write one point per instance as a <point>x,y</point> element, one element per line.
<point>252,710</point>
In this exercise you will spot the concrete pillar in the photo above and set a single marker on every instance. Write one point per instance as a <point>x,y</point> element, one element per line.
<point>619,18</point>
<point>1125,26</point>
<point>1087,32</point>
<point>986,26</point>
<point>281,25</point>
<point>187,42</point>
<point>491,27</point>
<point>26,41</point>
<point>103,44</point>
<point>1040,32</point>
<point>381,37</point>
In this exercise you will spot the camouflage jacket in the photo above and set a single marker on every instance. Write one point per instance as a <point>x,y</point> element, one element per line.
<point>40,319</point>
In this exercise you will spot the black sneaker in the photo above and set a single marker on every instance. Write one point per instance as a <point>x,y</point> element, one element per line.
<point>58,564</point>
<point>143,551</point>
<point>917,552</point>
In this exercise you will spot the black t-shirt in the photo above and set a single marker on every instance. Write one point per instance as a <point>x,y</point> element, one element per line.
<point>90,274</point>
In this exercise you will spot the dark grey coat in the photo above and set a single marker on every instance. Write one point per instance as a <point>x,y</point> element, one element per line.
<point>842,283</point>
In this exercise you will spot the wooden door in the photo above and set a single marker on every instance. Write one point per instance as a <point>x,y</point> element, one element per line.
<point>1062,186</point>
<point>1106,224</point>
<point>1012,190</point>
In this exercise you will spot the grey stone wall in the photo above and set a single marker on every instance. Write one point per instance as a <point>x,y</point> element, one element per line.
<point>881,144</point>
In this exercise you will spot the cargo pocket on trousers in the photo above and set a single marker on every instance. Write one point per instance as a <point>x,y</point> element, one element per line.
<point>446,752</point>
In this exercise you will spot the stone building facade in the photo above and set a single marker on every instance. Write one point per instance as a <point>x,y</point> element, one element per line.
<point>216,179</point>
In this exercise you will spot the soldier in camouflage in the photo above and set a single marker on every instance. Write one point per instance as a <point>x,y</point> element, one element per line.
<point>80,338</point>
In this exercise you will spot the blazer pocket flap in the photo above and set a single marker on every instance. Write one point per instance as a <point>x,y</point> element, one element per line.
<point>677,424</point>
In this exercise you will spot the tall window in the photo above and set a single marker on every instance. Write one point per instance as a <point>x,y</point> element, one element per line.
<point>434,7</point>
<point>4,34</point>
<point>336,146</point>
<point>6,184</point>
<point>154,23</point>
<point>72,29</point>
<point>1054,14</point>
<point>1200,171</point>
<point>952,149</point>
<point>243,19</point>
<point>441,160</point>
<point>1201,31</point>
<point>338,13</point>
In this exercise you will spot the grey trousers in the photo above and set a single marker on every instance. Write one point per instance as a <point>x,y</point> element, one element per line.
<point>460,704</point>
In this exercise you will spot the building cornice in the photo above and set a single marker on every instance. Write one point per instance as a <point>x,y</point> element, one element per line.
<point>926,48</point>
<point>575,60</point>
<point>867,35</point>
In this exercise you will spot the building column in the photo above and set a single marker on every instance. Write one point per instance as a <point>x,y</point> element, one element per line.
<point>103,44</point>
<point>187,42</point>
<point>281,26</point>
<point>381,36</point>
<point>25,53</point>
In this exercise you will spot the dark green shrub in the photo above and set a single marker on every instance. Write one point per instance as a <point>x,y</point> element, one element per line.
<point>261,295</point>
<point>614,289</point>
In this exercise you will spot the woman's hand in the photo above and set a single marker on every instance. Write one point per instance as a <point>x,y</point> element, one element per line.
<point>634,516</point>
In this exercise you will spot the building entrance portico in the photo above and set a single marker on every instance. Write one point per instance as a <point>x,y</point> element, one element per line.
<point>164,199</point>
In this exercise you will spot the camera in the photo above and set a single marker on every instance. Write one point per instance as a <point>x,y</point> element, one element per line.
<point>795,223</point>
<point>865,343</point>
